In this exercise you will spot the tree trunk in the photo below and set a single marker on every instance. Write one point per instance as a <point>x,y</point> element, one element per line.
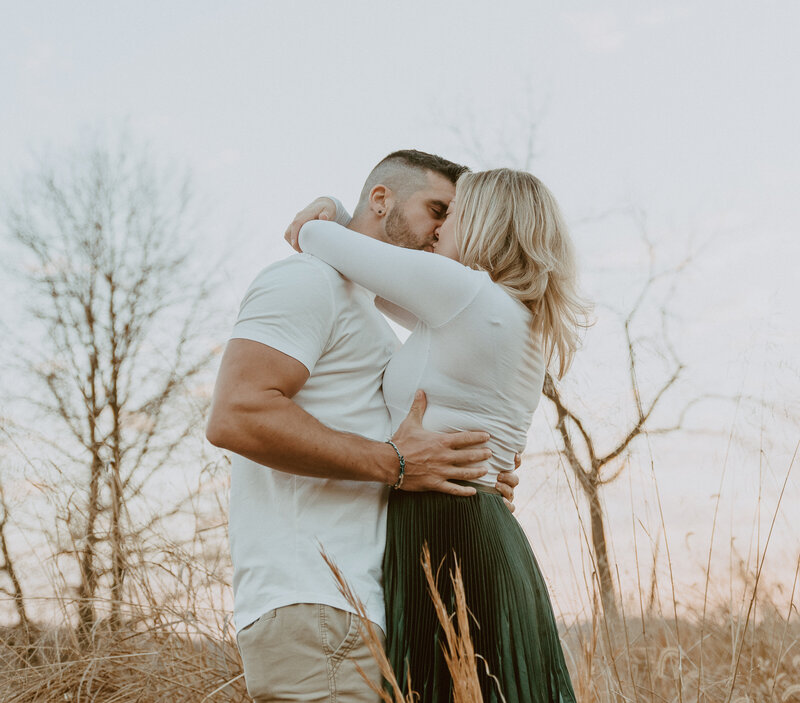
<point>8,567</point>
<point>608,592</point>
<point>117,551</point>
<point>118,560</point>
<point>88,586</point>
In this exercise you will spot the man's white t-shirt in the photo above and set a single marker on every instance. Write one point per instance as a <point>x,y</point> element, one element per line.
<point>278,521</point>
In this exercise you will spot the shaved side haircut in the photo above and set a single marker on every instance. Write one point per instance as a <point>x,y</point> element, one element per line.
<point>405,172</point>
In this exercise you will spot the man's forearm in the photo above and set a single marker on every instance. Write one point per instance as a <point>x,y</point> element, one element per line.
<point>283,436</point>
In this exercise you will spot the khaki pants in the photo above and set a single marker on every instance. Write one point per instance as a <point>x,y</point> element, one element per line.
<point>307,652</point>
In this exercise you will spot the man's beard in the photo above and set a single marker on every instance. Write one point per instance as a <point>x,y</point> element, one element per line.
<point>399,232</point>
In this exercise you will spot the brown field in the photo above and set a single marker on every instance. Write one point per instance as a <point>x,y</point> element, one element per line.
<point>161,653</point>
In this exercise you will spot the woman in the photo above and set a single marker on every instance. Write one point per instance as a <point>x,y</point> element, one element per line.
<point>488,316</point>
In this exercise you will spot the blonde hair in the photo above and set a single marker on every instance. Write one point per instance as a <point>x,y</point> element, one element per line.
<point>508,224</point>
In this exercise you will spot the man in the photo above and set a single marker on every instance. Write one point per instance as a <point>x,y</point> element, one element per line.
<point>298,401</point>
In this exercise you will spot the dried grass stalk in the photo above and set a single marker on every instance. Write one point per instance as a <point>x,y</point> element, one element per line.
<point>459,652</point>
<point>370,635</point>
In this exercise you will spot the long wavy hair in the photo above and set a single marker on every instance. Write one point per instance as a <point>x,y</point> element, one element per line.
<point>510,225</point>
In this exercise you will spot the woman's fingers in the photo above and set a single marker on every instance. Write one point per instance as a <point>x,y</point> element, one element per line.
<point>321,209</point>
<point>509,478</point>
<point>505,490</point>
<point>292,234</point>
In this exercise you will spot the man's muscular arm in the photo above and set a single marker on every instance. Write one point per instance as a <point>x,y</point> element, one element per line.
<point>253,415</point>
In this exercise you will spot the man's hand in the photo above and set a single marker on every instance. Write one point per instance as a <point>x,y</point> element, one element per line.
<point>507,481</point>
<point>434,459</point>
<point>321,209</point>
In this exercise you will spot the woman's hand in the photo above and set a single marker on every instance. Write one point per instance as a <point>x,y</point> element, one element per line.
<point>507,481</point>
<point>321,209</point>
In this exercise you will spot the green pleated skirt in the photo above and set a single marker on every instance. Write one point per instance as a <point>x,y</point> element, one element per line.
<point>513,629</point>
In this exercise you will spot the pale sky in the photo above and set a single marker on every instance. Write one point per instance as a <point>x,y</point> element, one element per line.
<point>687,112</point>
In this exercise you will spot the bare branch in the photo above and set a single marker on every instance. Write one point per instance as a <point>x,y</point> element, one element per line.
<point>550,391</point>
<point>638,428</point>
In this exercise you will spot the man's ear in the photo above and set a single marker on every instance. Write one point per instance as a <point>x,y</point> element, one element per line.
<point>380,199</point>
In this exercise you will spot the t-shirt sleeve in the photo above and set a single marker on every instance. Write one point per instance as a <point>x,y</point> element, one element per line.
<point>431,287</point>
<point>289,307</point>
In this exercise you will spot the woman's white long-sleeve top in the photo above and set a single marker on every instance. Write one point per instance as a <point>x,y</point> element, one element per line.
<point>471,349</point>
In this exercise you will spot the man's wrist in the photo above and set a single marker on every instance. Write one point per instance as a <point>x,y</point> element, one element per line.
<point>401,474</point>
<point>389,464</point>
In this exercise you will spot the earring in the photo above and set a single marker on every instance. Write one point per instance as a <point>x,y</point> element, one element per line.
<point>380,212</point>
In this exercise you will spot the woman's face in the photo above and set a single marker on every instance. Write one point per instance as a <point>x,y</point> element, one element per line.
<point>445,243</point>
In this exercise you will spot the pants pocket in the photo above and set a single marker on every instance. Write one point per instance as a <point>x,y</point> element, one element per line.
<point>282,658</point>
<point>339,632</point>
<point>269,615</point>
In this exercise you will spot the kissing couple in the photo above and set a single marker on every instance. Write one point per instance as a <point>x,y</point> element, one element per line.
<point>347,440</point>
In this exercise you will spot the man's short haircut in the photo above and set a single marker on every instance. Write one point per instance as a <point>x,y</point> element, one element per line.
<point>405,172</point>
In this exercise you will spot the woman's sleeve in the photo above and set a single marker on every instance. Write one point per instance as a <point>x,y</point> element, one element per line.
<point>397,314</point>
<point>431,287</point>
<point>342,217</point>
<point>394,312</point>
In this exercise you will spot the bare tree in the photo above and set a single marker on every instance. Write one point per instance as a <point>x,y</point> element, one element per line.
<point>593,468</point>
<point>8,567</point>
<point>111,283</point>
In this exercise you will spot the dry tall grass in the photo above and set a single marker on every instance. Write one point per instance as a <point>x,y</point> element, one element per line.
<point>158,655</point>
<point>704,657</point>
<point>459,652</point>
<point>164,654</point>
<point>176,643</point>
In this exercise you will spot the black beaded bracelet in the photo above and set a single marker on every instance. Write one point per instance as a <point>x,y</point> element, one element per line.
<point>402,475</point>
